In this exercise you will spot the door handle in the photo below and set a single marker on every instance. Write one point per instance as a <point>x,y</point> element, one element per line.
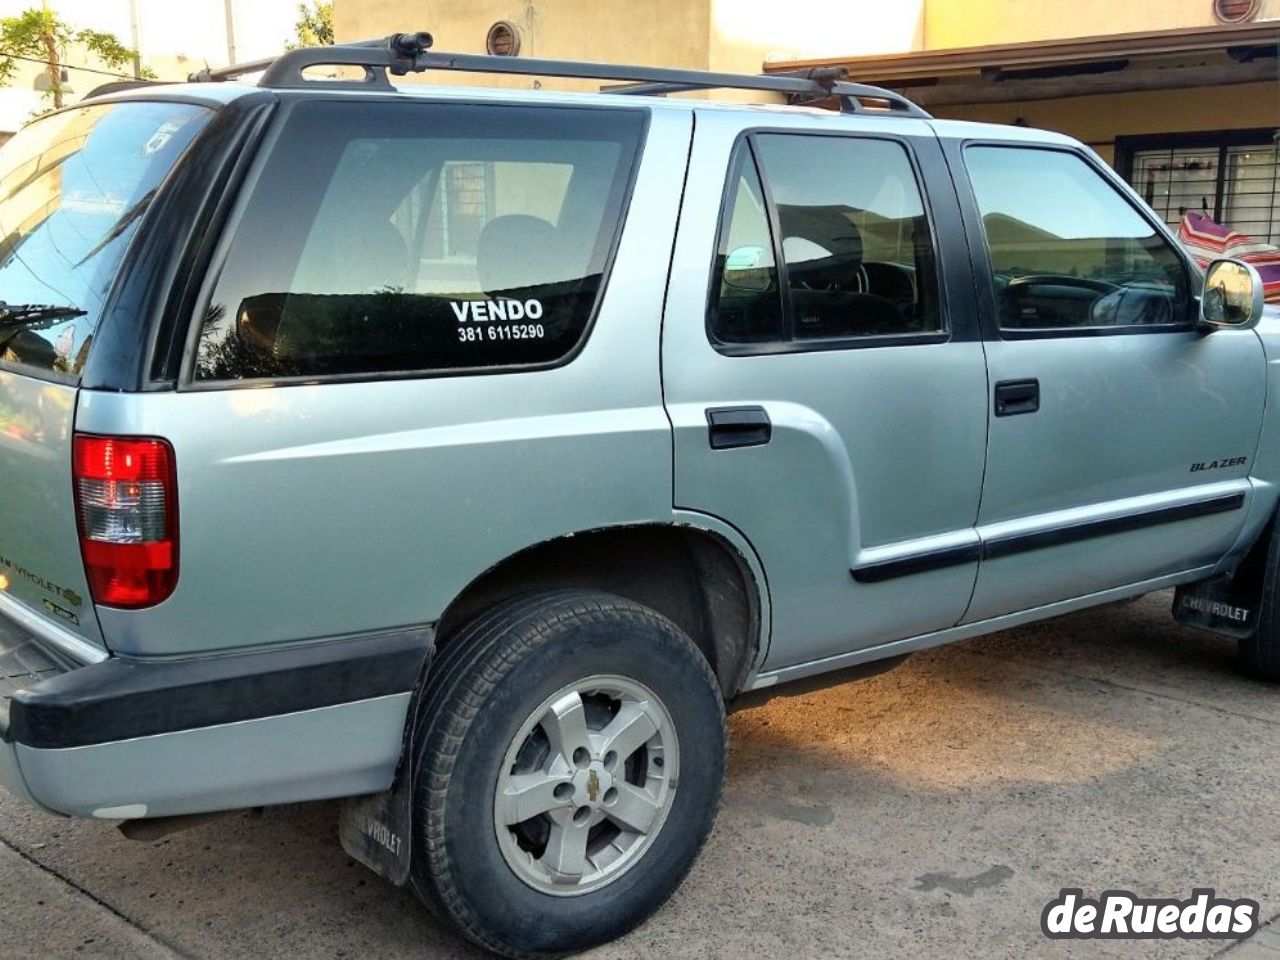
<point>1014,397</point>
<point>729,427</point>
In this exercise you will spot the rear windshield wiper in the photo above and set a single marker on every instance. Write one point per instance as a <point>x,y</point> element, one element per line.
<point>22,317</point>
<point>35,316</point>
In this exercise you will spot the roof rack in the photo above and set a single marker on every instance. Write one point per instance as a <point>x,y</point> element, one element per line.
<point>403,53</point>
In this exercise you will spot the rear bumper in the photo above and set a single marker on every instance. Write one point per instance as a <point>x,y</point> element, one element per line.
<point>121,739</point>
<point>24,662</point>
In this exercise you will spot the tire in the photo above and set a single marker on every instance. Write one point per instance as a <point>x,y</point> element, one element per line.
<point>503,687</point>
<point>1259,655</point>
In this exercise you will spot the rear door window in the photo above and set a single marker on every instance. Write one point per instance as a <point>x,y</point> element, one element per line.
<point>841,254</point>
<point>391,238</point>
<point>73,188</point>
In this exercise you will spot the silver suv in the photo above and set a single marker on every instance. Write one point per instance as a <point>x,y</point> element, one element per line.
<point>464,452</point>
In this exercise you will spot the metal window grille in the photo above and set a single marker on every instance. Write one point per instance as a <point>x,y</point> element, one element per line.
<point>1238,185</point>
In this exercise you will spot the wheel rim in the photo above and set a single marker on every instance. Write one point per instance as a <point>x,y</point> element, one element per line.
<point>586,785</point>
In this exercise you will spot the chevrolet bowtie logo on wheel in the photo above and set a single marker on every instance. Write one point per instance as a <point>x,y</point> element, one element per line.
<point>593,786</point>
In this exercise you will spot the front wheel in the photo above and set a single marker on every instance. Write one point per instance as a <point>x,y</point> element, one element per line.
<point>1259,654</point>
<point>570,772</point>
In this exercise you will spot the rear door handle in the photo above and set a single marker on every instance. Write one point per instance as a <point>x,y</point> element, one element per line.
<point>729,427</point>
<point>1014,397</point>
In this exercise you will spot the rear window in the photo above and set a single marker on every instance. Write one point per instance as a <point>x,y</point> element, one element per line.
<point>73,188</point>
<point>391,237</point>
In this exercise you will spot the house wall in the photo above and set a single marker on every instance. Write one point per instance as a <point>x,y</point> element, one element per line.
<point>733,35</point>
<point>655,32</point>
<point>970,23</point>
<point>741,34</point>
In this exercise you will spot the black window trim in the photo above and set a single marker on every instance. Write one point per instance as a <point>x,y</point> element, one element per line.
<point>746,141</point>
<point>187,381</point>
<point>985,275</point>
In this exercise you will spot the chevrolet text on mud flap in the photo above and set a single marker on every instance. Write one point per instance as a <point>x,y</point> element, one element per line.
<point>1216,608</point>
<point>722,399</point>
<point>1121,915</point>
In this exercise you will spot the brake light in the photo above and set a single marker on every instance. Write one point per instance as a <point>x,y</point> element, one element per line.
<point>127,510</point>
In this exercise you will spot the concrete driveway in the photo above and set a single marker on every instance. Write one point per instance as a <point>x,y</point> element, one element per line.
<point>930,811</point>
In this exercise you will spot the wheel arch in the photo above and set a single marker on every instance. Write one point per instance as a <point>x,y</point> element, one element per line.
<point>696,577</point>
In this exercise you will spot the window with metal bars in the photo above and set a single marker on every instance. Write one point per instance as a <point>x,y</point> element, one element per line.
<point>1230,176</point>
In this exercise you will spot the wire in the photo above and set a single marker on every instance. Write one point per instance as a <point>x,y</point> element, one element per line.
<point>65,66</point>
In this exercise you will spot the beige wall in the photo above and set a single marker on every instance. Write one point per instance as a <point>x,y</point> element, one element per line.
<point>968,23</point>
<point>654,32</point>
<point>745,33</point>
<point>741,34</point>
<point>735,35</point>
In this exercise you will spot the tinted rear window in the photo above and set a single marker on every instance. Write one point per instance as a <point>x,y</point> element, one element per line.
<point>394,237</point>
<point>73,188</point>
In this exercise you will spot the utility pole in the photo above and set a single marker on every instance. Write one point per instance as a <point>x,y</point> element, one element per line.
<point>51,56</point>
<point>231,31</point>
<point>135,35</point>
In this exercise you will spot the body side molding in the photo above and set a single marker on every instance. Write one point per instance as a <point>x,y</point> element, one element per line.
<point>1009,544</point>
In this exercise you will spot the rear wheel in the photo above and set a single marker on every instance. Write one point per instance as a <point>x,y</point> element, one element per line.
<point>571,769</point>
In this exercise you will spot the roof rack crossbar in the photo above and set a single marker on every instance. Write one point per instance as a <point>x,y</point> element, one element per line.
<point>409,53</point>
<point>395,53</point>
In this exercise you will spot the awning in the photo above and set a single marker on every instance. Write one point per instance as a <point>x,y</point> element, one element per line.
<point>1049,69</point>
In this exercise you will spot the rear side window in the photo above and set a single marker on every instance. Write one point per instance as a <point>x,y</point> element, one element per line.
<point>849,223</point>
<point>73,188</point>
<point>417,238</point>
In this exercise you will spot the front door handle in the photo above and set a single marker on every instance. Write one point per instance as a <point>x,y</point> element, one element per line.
<point>1014,397</point>
<point>729,427</point>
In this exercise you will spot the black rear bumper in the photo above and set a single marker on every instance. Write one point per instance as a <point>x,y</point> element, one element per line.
<point>45,704</point>
<point>24,663</point>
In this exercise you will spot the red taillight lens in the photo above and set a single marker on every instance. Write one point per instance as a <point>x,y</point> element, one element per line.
<point>127,509</point>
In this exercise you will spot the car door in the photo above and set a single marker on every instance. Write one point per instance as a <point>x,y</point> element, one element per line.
<point>823,374</point>
<point>1121,436</point>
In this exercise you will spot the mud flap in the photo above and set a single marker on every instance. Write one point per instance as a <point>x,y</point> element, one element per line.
<point>377,829</point>
<point>1218,605</point>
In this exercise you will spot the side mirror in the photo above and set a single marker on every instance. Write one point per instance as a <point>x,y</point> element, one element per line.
<point>1232,297</point>
<point>749,268</point>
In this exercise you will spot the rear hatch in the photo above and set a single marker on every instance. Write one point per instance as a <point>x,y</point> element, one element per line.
<point>74,188</point>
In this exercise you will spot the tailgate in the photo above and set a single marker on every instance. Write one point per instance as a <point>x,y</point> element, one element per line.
<point>74,188</point>
<point>40,562</point>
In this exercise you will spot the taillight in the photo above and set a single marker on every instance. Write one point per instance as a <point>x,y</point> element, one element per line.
<point>127,510</point>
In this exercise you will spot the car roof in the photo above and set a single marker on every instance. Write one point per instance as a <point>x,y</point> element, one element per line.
<point>224,92</point>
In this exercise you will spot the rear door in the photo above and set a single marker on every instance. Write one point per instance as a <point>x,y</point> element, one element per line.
<point>827,388</point>
<point>428,341</point>
<point>1121,438</point>
<point>73,188</point>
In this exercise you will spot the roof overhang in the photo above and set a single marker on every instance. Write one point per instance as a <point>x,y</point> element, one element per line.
<point>1049,69</point>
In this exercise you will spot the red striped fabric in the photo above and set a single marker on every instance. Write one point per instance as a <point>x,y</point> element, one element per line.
<point>1207,240</point>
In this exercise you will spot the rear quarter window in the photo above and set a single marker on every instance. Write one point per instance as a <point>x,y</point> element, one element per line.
<point>386,238</point>
<point>74,188</point>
